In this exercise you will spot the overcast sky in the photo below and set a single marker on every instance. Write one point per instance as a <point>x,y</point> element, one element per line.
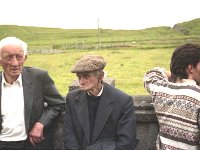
<point>84,14</point>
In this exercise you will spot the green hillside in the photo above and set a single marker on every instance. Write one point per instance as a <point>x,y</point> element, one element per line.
<point>129,53</point>
<point>189,28</point>
<point>64,39</point>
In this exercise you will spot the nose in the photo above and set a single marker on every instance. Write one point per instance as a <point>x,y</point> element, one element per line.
<point>14,61</point>
<point>81,80</point>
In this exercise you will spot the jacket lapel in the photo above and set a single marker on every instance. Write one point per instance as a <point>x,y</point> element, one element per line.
<point>103,112</point>
<point>28,96</point>
<point>82,113</point>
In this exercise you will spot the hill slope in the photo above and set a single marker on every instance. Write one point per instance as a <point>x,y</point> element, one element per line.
<point>189,28</point>
<point>56,38</point>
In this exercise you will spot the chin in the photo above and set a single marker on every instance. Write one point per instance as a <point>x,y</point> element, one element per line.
<point>83,88</point>
<point>15,75</point>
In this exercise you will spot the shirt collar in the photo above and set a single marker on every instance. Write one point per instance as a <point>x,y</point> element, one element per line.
<point>101,91</point>
<point>18,81</point>
<point>187,81</point>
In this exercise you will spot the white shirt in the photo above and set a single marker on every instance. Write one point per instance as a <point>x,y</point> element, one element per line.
<point>12,108</point>
<point>101,91</point>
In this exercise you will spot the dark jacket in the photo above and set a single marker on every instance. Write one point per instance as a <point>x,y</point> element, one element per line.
<point>38,89</point>
<point>115,120</point>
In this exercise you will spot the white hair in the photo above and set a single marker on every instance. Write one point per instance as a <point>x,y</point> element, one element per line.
<point>13,41</point>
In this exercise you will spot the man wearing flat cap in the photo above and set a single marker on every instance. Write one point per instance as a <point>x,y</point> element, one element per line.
<point>98,116</point>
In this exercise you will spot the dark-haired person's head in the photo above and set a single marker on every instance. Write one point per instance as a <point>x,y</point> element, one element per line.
<point>185,63</point>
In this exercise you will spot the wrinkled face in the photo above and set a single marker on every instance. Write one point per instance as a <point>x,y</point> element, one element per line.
<point>12,60</point>
<point>88,81</point>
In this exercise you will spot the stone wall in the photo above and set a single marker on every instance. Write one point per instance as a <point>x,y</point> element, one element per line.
<point>146,121</point>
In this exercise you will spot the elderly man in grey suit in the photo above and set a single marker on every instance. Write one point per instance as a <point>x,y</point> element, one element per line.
<point>98,116</point>
<point>24,91</point>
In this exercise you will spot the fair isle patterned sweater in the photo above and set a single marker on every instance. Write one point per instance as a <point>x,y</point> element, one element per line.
<point>177,106</point>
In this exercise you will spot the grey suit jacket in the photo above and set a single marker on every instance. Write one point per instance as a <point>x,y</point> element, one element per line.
<point>38,88</point>
<point>115,120</point>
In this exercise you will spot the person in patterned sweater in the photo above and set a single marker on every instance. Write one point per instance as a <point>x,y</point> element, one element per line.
<point>176,99</point>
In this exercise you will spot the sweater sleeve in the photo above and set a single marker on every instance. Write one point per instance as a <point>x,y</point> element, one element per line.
<point>154,78</point>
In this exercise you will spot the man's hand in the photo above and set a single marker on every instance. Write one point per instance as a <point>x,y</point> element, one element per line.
<point>36,134</point>
<point>168,74</point>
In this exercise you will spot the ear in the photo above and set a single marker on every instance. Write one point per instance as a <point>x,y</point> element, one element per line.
<point>25,57</point>
<point>101,75</point>
<point>189,69</point>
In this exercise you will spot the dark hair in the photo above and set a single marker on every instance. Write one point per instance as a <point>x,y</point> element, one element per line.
<point>187,54</point>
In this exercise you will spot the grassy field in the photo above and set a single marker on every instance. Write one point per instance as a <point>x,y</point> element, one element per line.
<point>127,67</point>
<point>129,53</point>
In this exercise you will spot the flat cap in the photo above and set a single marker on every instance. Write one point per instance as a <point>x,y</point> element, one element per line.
<point>89,63</point>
